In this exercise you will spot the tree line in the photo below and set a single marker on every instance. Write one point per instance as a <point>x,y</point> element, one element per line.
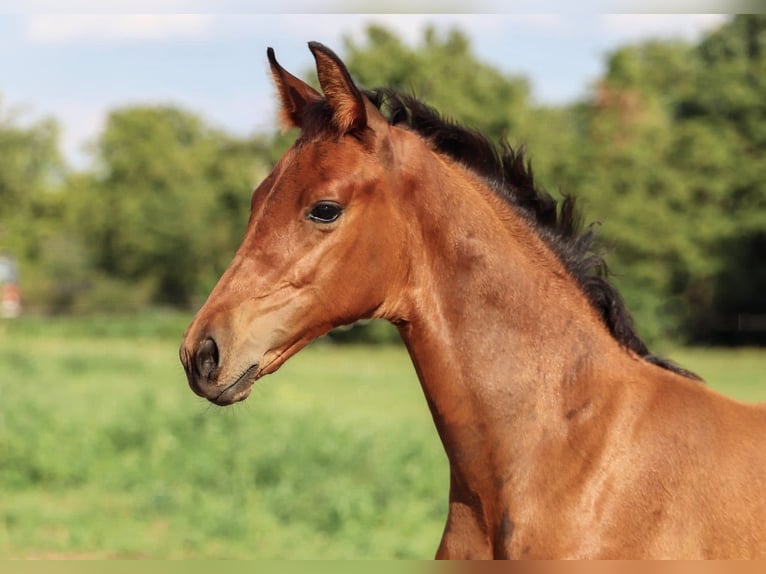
<point>666,152</point>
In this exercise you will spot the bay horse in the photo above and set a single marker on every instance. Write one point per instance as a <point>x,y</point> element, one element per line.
<point>565,437</point>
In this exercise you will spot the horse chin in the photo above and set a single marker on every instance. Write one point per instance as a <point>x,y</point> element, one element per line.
<point>275,358</point>
<point>240,389</point>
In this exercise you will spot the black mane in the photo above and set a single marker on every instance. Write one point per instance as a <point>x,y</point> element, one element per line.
<point>510,176</point>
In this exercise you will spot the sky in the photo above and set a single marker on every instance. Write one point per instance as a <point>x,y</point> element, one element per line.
<point>77,66</point>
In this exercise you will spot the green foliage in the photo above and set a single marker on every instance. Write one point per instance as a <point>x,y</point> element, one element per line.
<point>673,167</point>
<point>629,187</point>
<point>107,453</point>
<point>170,201</point>
<point>444,72</point>
<point>730,103</point>
<point>30,170</point>
<point>666,152</point>
<point>29,162</point>
<point>373,332</point>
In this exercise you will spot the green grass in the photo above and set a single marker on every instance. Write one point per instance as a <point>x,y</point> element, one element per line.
<point>106,453</point>
<point>739,373</point>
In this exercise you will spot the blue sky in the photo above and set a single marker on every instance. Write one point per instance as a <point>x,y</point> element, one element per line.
<point>76,67</point>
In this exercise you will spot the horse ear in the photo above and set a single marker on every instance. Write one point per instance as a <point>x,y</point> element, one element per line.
<point>345,99</point>
<point>294,94</point>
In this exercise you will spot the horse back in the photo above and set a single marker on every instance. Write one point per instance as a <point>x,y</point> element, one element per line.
<point>704,470</point>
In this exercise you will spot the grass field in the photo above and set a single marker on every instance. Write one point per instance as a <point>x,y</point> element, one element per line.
<point>105,453</point>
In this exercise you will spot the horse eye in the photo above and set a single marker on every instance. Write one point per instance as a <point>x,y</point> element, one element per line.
<point>325,212</point>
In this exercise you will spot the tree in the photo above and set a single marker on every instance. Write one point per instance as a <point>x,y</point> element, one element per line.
<point>30,166</point>
<point>444,72</point>
<point>622,171</point>
<point>672,162</point>
<point>31,194</point>
<point>667,152</point>
<point>730,108</point>
<point>169,202</point>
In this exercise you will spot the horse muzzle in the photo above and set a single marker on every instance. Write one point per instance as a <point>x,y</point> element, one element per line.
<point>203,371</point>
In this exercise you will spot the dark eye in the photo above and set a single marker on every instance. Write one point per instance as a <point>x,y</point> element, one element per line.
<point>325,212</point>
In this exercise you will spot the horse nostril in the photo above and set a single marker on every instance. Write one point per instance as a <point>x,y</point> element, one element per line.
<point>207,358</point>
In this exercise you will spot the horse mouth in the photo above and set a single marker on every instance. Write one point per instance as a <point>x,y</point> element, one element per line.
<point>239,390</point>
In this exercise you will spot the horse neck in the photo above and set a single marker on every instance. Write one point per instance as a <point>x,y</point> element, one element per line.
<point>506,346</point>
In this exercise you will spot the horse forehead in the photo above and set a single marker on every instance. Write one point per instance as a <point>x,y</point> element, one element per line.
<point>330,157</point>
<point>306,165</point>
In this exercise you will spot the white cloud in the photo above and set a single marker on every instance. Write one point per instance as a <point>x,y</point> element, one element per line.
<point>80,124</point>
<point>83,122</point>
<point>100,28</point>
<point>71,28</point>
<point>120,6</point>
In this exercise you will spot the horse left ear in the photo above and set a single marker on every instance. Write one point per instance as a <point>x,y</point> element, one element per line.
<point>294,94</point>
<point>345,99</point>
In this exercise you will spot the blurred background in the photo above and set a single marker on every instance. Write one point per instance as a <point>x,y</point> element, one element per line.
<point>129,147</point>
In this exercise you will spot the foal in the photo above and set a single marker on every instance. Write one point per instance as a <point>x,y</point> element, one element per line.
<point>565,437</point>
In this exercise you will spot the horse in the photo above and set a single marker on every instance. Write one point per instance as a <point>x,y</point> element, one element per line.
<point>565,436</point>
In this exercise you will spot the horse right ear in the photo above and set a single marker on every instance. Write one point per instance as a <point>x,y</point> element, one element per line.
<point>294,94</point>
